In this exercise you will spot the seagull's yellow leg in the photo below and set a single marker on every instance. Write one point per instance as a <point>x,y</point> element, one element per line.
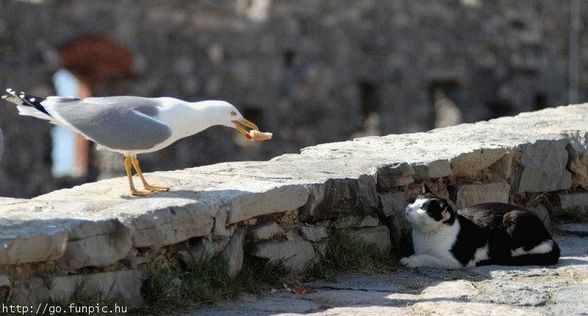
<point>129,171</point>
<point>150,187</point>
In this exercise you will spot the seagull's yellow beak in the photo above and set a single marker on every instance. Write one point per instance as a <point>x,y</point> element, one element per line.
<point>242,125</point>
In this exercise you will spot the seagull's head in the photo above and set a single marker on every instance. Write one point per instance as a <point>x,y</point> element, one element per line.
<point>231,117</point>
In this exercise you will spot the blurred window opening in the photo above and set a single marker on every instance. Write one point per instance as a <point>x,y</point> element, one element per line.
<point>64,140</point>
<point>443,95</point>
<point>288,58</point>
<point>369,99</point>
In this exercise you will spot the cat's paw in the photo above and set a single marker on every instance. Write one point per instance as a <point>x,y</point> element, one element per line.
<point>409,262</point>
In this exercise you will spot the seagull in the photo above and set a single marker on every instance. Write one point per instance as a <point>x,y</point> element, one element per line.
<point>132,125</point>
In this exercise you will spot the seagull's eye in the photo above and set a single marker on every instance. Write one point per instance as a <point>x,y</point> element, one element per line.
<point>233,113</point>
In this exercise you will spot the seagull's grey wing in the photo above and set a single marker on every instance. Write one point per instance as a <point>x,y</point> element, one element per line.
<point>123,123</point>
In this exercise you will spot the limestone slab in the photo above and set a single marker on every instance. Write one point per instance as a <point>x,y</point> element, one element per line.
<point>466,195</point>
<point>392,202</point>
<point>279,199</point>
<point>112,241</point>
<point>296,254</point>
<point>542,167</point>
<point>379,235</point>
<point>313,232</point>
<point>568,201</point>
<point>233,253</point>
<point>267,231</point>
<point>124,287</point>
<point>338,197</point>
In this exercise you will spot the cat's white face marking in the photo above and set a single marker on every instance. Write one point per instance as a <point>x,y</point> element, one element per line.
<point>417,215</point>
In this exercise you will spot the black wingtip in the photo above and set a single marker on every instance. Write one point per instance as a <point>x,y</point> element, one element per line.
<point>27,99</point>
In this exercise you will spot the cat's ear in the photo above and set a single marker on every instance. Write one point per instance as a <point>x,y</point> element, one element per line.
<point>446,209</point>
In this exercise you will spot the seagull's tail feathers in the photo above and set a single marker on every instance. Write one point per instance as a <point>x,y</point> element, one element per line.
<point>27,104</point>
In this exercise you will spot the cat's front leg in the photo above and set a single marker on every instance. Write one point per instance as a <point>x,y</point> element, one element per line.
<point>423,261</point>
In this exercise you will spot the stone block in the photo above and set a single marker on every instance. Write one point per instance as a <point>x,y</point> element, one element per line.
<point>392,202</point>
<point>470,164</point>
<point>203,248</point>
<point>542,167</point>
<point>434,169</point>
<point>346,222</point>
<point>36,248</point>
<point>267,231</point>
<point>172,225</point>
<point>220,224</point>
<point>313,232</point>
<point>296,254</point>
<point>578,229</point>
<point>338,197</point>
<point>465,195</point>
<point>578,200</point>
<point>233,253</point>
<point>369,221</point>
<point>379,235</point>
<point>395,175</point>
<point>578,165</point>
<point>122,287</point>
<point>280,199</point>
<point>110,241</point>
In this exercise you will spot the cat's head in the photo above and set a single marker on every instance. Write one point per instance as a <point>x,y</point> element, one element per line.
<point>428,212</point>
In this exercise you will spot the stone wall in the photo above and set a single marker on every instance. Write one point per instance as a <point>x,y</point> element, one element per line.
<point>315,72</point>
<point>287,207</point>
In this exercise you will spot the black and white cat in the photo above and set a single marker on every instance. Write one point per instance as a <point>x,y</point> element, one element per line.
<point>490,233</point>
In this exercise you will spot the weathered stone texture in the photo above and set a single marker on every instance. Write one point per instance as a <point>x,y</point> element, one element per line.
<point>434,169</point>
<point>379,235</point>
<point>338,197</point>
<point>313,232</point>
<point>112,242</point>
<point>569,201</point>
<point>233,253</point>
<point>471,163</point>
<point>267,231</point>
<point>122,286</point>
<point>296,254</point>
<point>281,199</point>
<point>465,195</point>
<point>543,167</point>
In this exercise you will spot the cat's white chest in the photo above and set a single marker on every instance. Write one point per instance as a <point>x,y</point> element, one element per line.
<point>438,243</point>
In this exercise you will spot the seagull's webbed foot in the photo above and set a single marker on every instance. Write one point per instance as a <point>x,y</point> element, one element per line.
<point>136,192</point>
<point>154,188</point>
<point>146,185</point>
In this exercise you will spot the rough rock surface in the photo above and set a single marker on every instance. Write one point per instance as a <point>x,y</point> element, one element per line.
<point>465,195</point>
<point>379,235</point>
<point>296,254</point>
<point>122,286</point>
<point>489,290</point>
<point>574,201</point>
<point>267,231</point>
<point>543,166</point>
<point>313,232</point>
<point>233,253</point>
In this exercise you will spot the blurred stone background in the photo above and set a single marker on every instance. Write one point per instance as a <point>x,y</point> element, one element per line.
<point>311,71</point>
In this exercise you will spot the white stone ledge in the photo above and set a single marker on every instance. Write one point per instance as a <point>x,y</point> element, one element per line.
<point>527,151</point>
